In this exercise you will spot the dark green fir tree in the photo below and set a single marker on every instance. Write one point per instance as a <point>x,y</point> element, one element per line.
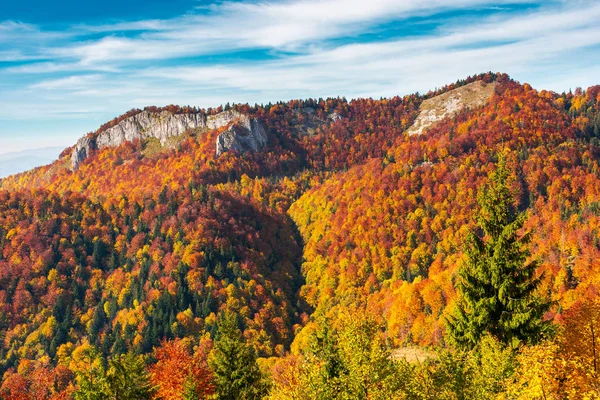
<point>233,361</point>
<point>128,378</point>
<point>497,285</point>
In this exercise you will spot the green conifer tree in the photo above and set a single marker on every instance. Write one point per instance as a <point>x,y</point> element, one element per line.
<point>91,383</point>
<point>128,379</point>
<point>233,363</point>
<point>497,285</point>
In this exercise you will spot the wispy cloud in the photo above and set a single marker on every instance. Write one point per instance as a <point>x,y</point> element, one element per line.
<point>71,83</point>
<point>514,43</point>
<point>289,26</point>
<point>272,50</point>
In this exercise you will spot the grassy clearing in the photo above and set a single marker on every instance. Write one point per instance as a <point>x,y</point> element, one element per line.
<point>413,354</point>
<point>434,110</point>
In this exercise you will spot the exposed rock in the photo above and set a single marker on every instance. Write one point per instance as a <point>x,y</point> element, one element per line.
<point>448,104</point>
<point>81,151</point>
<point>334,116</point>
<point>163,126</point>
<point>244,135</point>
<point>222,119</point>
<point>149,125</point>
<point>306,121</point>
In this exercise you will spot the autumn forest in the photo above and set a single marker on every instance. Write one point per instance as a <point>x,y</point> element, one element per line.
<point>346,259</point>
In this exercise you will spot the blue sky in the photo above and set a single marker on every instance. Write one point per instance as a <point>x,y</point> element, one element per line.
<point>66,67</point>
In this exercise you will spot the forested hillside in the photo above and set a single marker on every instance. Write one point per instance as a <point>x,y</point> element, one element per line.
<point>310,263</point>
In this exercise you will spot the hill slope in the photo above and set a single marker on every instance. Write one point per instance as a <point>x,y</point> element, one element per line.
<point>340,206</point>
<point>389,233</point>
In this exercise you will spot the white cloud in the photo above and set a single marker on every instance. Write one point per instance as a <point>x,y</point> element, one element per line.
<point>12,29</point>
<point>133,64</point>
<point>288,25</point>
<point>19,33</point>
<point>403,65</point>
<point>50,67</point>
<point>70,83</point>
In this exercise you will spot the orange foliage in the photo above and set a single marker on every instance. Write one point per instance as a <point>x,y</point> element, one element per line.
<point>177,365</point>
<point>340,209</point>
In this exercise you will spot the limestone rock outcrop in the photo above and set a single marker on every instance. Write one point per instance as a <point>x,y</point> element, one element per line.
<point>245,134</point>
<point>160,126</point>
<point>249,134</point>
<point>81,151</point>
<point>334,116</point>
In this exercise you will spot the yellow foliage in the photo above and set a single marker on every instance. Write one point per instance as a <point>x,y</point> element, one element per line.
<point>540,374</point>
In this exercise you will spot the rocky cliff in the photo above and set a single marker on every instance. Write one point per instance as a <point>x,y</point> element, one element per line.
<point>81,151</point>
<point>246,133</point>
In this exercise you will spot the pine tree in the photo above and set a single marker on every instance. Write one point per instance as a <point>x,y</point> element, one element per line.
<point>128,379</point>
<point>496,283</point>
<point>233,362</point>
<point>98,253</point>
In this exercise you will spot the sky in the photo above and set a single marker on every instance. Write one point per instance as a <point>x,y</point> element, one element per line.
<point>66,67</point>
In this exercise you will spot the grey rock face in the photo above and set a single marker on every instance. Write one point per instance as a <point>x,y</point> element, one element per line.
<point>150,125</point>
<point>244,135</point>
<point>81,151</point>
<point>223,119</point>
<point>162,126</point>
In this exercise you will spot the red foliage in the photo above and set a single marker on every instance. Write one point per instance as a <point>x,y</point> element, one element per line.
<point>177,365</point>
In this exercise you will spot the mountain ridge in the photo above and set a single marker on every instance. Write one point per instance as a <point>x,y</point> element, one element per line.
<point>307,122</point>
<point>340,209</point>
<point>164,125</point>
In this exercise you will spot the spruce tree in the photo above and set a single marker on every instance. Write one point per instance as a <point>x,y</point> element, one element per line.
<point>496,285</point>
<point>128,378</point>
<point>233,362</point>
